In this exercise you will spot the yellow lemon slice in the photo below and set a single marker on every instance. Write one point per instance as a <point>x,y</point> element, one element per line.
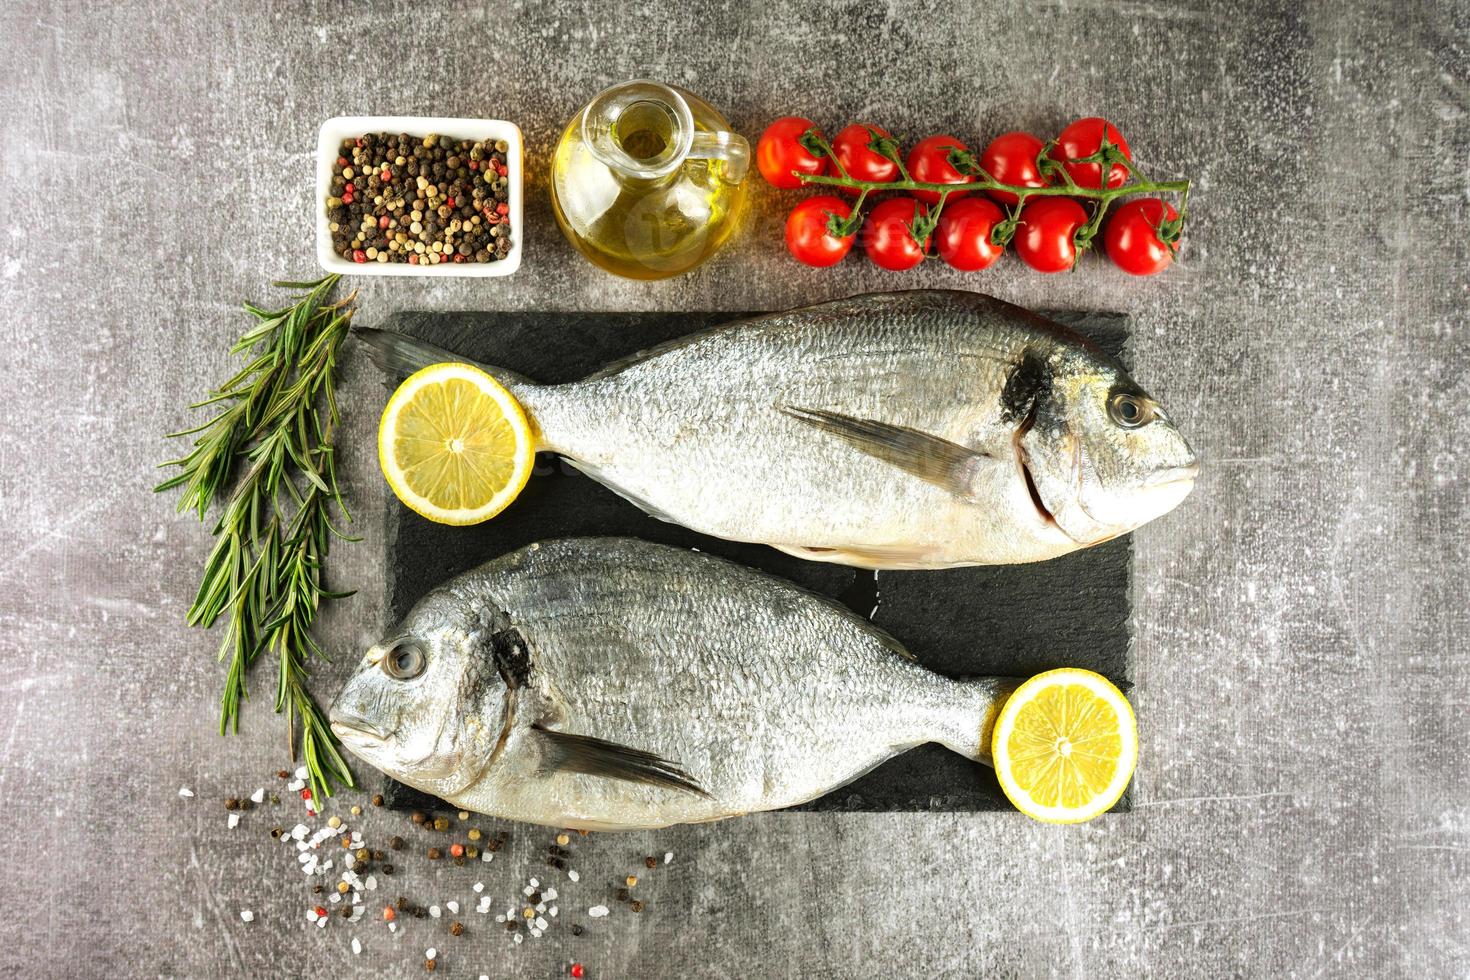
<point>455,445</point>
<point>1065,745</point>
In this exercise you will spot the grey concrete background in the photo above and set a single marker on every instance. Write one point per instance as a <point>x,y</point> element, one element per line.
<point>1303,803</point>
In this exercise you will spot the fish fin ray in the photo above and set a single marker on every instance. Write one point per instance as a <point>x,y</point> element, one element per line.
<point>599,757</point>
<point>928,457</point>
<point>399,355</point>
<point>877,558</point>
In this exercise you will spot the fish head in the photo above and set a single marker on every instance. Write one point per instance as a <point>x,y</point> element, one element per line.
<point>1099,454</point>
<point>423,706</point>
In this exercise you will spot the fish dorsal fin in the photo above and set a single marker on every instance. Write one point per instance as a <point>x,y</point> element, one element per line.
<point>565,752</point>
<point>945,464</point>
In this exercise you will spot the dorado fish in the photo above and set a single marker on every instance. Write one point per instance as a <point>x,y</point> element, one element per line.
<point>923,429</point>
<point>610,684</point>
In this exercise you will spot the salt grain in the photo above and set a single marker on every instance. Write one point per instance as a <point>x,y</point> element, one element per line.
<point>258,796</point>
<point>487,856</point>
<point>246,915</point>
<point>356,946</point>
<point>301,772</point>
<point>434,909</point>
<point>519,939</point>
<point>668,856</point>
<point>534,883</point>
<point>392,927</point>
<point>574,876</point>
<point>479,886</point>
<point>431,953</point>
<point>542,924</point>
<point>499,918</point>
<point>185,792</point>
<point>453,907</point>
<point>597,911</point>
<point>235,817</point>
<point>549,894</point>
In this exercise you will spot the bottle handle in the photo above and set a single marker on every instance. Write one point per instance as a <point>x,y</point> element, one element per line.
<point>731,148</point>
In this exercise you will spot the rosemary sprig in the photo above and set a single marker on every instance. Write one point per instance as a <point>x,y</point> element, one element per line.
<point>277,415</point>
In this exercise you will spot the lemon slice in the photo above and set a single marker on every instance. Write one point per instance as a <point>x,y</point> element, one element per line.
<point>455,445</point>
<point>1064,746</point>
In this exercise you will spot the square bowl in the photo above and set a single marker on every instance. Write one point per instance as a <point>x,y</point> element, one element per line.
<point>339,128</point>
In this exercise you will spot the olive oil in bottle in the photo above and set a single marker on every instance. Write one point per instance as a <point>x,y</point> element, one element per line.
<point>647,180</point>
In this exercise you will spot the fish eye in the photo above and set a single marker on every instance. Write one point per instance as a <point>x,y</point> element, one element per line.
<point>1129,411</point>
<point>405,661</point>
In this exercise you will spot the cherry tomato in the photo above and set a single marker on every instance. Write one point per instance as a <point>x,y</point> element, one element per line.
<point>1045,240</point>
<point>780,151</point>
<point>929,164</point>
<point>1082,138</point>
<point>861,162</point>
<point>963,235</point>
<point>807,234</point>
<point>1132,236</point>
<point>1011,159</point>
<point>886,236</point>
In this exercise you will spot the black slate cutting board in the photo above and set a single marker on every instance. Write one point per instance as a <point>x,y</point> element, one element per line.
<point>1013,620</point>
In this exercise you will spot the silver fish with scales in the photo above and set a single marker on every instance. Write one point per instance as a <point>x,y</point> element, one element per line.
<point>922,429</point>
<point>613,684</point>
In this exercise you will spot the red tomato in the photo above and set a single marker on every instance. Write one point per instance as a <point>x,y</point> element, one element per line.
<point>963,235</point>
<point>861,162</point>
<point>929,164</point>
<point>1045,240</point>
<point>780,151</point>
<point>886,235</point>
<point>1082,138</point>
<point>1132,236</point>
<point>1011,159</point>
<point>807,234</point>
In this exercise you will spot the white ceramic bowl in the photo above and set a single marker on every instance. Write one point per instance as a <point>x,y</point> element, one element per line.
<point>339,128</point>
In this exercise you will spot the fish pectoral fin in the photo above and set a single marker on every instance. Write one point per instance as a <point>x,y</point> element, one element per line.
<point>945,464</point>
<point>598,757</point>
<point>879,559</point>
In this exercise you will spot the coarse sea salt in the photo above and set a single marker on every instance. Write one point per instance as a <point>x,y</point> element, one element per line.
<point>549,894</point>
<point>431,953</point>
<point>668,856</point>
<point>453,907</point>
<point>356,946</point>
<point>258,796</point>
<point>574,876</point>
<point>434,909</point>
<point>235,817</point>
<point>487,856</point>
<point>519,939</point>
<point>246,915</point>
<point>301,772</point>
<point>597,911</point>
<point>479,886</point>
<point>185,792</point>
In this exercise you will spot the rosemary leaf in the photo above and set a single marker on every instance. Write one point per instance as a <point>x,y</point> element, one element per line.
<point>263,575</point>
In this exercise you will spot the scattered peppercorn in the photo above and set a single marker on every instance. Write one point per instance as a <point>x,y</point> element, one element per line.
<point>475,833</point>
<point>320,912</point>
<point>435,854</point>
<point>430,965</point>
<point>563,840</point>
<point>276,832</point>
<point>622,894</point>
<point>503,836</point>
<point>275,800</point>
<point>377,799</point>
<point>343,888</point>
<point>529,912</point>
<point>363,854</point>
<point>534,898</point>
<point>378,855</point>
<point>402,903</point>
<point>636,906</point>
<point>464,814</point>
<point>247,805</point>
<point>650,862</point>
<point>512,925</point>
<point>387,869</point>
<point>419,816</point>
<point>577,971</point>
<point>632,880</point>
<point>388,914</point>
<point>456,928</point>
<point>347,911</point>
<point>232,804</point>
<point>356,810</point>
<point>282,774</point>
<point>318,889</point>
<point>472,852</point>
<point>576,930</point>
<point>395,842</point>
<point>441,823</point>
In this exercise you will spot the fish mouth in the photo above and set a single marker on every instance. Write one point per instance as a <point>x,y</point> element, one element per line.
<point>1169,475</point>
<point>358,731</point>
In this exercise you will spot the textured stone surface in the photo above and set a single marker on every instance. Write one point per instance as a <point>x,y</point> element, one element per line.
<point>1301,622</point>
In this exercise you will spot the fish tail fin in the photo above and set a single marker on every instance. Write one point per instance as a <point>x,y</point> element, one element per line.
<point>968,727</point>
<point>400,355</point>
